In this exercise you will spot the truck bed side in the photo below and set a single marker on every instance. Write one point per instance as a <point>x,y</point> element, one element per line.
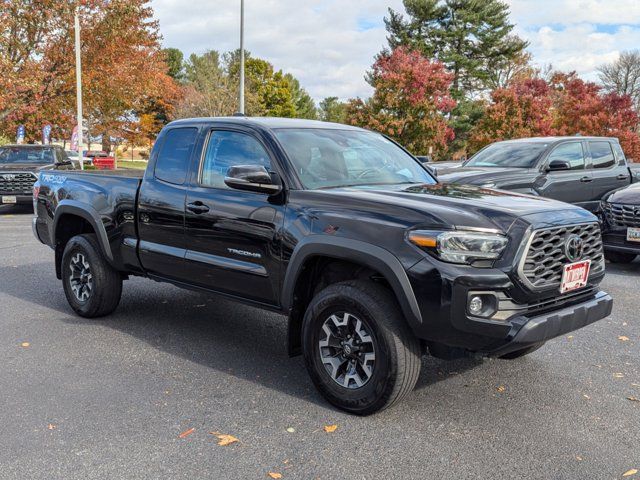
<point>71,203</point>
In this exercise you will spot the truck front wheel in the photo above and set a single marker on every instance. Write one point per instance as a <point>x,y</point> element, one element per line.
<point>92,286</point>
<point>358,349</point>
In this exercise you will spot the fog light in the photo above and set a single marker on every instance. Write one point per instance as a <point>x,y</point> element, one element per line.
<point>476,306</point>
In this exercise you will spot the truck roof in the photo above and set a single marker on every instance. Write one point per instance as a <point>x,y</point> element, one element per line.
<point>556,139</point>
<point>265,122</point>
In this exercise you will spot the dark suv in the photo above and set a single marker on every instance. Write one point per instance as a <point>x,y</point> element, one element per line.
<point>19,166</point>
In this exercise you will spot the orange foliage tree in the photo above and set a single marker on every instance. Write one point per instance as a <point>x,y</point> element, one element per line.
<point>123,66</point>
<point>411,96</point>
<point>563,105</point>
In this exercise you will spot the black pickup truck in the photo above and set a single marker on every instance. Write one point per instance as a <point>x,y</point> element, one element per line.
<point>19,166</point>
<point>578,170</point>
<point>373,261</point>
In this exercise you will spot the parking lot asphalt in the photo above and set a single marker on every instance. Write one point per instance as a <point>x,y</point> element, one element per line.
<point>119,397</point>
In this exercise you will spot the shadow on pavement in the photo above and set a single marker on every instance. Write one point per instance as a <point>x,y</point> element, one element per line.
<point>212,331</point>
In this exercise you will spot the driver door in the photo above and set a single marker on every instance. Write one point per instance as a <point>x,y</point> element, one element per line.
<point>573,185</point>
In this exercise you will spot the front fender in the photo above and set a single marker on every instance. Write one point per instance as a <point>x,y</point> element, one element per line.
<point>369,255</point>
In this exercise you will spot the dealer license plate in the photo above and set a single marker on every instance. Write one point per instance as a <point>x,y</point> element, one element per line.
<point>633,234</point>
<point>575,275</point>
<point>9,199</point>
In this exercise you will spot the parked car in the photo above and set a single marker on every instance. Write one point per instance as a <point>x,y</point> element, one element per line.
<point>578,170</point>
<point>101,160</point>
<point>19,166</point>
<point>75,157</point>
<point>373,261</point>
<point>621,219</point>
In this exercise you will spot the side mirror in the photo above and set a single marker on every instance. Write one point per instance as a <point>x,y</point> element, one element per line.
<point>558,165</point>
<point>253,178</point>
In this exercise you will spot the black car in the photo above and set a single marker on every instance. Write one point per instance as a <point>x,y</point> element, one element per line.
<point>621,216</point>
<point>373,261</point>
<point>578,170</point>
<point>19,166</point>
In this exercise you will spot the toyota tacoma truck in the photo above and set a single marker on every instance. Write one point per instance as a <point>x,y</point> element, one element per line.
<point>19,166</point>
<point>373,261</point>
<point>578,170</point>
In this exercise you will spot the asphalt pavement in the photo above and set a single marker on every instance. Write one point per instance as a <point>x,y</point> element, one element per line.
<point>146,392</point>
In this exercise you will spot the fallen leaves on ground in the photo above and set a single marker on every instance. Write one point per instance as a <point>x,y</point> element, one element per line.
<point>618,375</point>
<point>25,344</point>
<point>291,430</point>
<point>501,388</point>
<point>628,473</point>
<point>622,338</point>
<point>224,439</point>
<point>330,428</point>
<point>274,475</point>
<point>186,433</point>
<point>633,399</point>
<point>51,426</point>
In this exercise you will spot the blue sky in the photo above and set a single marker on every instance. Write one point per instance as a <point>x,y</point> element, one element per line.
<point>329,44</point>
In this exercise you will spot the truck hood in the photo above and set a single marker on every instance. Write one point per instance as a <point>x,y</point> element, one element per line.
<point>479,175</point>
<point>629,195</point>
<point>24,167</point>
<point>450,205</point>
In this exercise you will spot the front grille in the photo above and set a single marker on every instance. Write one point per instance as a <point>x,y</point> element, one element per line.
<point>543,263</point>
<point>16,183</point>
<point>620,215</point>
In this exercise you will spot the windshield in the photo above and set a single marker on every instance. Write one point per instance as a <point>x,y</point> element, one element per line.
<point>326,158</point>
<point>519,155</point>
<point>26,155</point>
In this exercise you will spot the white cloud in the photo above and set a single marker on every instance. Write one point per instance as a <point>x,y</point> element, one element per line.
<point>330,44</point>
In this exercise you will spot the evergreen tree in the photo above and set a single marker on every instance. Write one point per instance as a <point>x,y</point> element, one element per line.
<point>469,36</point>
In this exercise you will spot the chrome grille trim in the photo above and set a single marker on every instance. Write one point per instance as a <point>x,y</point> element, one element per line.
<point>21,183</point>
<point>541,265</point>
<point>621,215</point>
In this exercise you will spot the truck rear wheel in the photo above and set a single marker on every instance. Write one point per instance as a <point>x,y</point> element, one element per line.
<point>358,349</point>
<point>92,286</point>
<point>619,257</point>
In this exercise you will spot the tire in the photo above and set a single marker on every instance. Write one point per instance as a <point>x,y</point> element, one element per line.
<point>373,385</point>
<point>92,286</point>
<point>619,257</point>
<point>522,352</point>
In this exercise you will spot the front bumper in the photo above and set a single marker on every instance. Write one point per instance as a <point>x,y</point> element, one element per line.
<point>615,240</point>
<point>527,331</point>
<point>21,199</point>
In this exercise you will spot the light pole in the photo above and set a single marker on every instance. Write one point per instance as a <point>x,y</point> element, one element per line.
<point>79,87</point>
<point>241,110</point>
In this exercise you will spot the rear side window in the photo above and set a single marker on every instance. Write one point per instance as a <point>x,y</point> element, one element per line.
<point>602,155</point>
<point>619,153</point>
<point>569,152</point>
<point>173,159</point>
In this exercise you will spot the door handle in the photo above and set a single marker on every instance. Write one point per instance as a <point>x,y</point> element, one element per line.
<point>197,207</point>
<point>586,179</point>
<point>622,176</point>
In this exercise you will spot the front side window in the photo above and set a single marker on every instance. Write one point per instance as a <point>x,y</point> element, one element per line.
<point>228,149</point>
<point>571,153</point>
<point>602,155</point>
<point>173,159</point>
<point>328,158</point>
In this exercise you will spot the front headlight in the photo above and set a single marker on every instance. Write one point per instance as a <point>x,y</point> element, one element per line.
<point>460,246</point>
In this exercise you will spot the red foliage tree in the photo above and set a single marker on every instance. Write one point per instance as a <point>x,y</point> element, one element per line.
<point>410,99</point>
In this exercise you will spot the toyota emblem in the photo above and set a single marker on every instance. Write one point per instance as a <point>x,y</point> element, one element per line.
<point>574,248</point>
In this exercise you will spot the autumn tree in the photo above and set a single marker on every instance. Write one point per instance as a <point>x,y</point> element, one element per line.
<point>122,64</point>
<point>522,109</point>
<point>411,94</point>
